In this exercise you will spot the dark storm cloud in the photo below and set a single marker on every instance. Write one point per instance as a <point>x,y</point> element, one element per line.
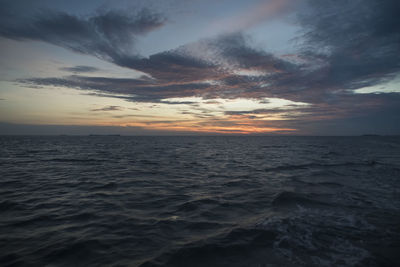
<point>107,34</point>
<point>80,69</point>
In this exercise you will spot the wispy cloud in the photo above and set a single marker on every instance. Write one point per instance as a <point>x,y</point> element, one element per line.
<point>80,69</point>
<point>361,48</point>
<point>108,108</point>
<point>108,35</point>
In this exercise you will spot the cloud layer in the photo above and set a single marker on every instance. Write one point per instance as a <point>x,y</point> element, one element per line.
<point>344,46</point>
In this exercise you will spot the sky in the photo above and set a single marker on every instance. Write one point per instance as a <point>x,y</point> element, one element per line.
<point>200,67</point>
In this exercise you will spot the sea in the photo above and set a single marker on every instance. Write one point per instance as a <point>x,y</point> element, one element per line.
<point>199,201</point>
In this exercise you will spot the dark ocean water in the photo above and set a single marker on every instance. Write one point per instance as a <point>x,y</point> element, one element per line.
<point>199,201</point>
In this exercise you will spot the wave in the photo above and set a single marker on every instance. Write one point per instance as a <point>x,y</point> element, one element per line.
<point>75,160</point>
<point>10,206</point>
<point>330,184</point>
<point>107,186</point>
<point>239,247</point>
<point>196,204</point>
<point>290,167</point>
<point>90,251</point>
<point>287,198</point>
<point>315,237</point>
<point>38,151</point>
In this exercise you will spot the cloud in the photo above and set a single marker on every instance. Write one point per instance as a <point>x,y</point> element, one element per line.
<point>80,69</point>
<point>109,35</point>
<point>108,108</point>
<point>235,51</point>
<point>345,45</point>
<point>140,90</point>
<point>179,73</point>
<point>358,40</point>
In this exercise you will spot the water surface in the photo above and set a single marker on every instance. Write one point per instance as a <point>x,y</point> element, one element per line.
<point>199,201</point>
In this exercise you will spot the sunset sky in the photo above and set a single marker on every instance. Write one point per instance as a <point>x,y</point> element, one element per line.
<point>176,67</point>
